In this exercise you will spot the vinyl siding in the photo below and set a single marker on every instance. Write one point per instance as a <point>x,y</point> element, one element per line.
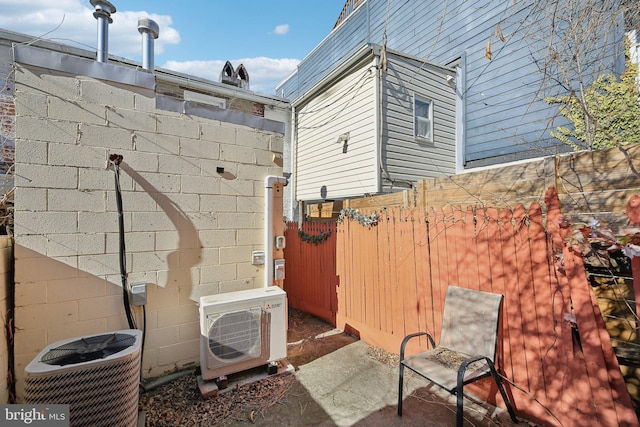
<point>321,163</point>
<point>404,158</point>
<point>506,116</point>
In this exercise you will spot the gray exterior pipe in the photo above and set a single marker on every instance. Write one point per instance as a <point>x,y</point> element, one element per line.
<point>150,31</point>
<point>103,12</point>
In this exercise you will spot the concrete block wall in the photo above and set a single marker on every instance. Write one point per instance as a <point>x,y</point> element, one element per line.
<point>189,231</point>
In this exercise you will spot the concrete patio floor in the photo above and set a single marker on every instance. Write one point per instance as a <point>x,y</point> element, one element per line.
<point>341,381</point>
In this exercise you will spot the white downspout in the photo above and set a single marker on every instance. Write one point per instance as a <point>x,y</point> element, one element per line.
<point>269,182</point>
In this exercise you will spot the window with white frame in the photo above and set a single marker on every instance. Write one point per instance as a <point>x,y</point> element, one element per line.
<point>423,119</point>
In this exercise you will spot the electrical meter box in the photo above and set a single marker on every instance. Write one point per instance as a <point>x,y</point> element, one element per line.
<point>278,268</point>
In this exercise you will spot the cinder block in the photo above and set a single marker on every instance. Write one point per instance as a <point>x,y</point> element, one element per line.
<point>76,155</point>
<point>75,289</point>
<point>101,264</point>
<point>200,149</point>
<point>182,126</point>
<point>189,331</point>
<point>45,223</point>
<point>102,179</point>
<point>31,104</point>
<point>62,245</point>
<point>249,271</point>
<point>107,137</point>
<point>31,293</point>
<point>210,168</point>
<point>162,297</point>
<point>30,199</point>
<point>218,132</point>
<point>185,202</point>
<point>79,112</point>
<point>251,236</point>
<point>101,93</point>
<point>218,203</point>
<point>156,143</point>
<point>90,244</point>
<point>33,316</point>
<point>251,204</point>
<point>177,315</point>
<point>96,308</point>
<point>46,130</point>
<point>131,120</point>
<point>136,241</point>
<point>161,337</point>
<point>235,220</point>
<point>145,100</point>
<point>217,273</point>
<point>214,238</point>
<point>61,200</point>
<point>200,184</point>
<point>249,137</point>
<point>238,187</point>
<point>158,182</point>
<point>152,221</point>
<point>253,172</point>
<point>46,82</point>
<point>137,201</point>
<point>235,254</point>
<point>276,144</point>
<point>42,176</point>
<point>32,340</point>
<point>139,161</point>
<point>179,354</point>
<point>202,221</point>
<point>237,154</point>
<point>106,222</point>
<point>145,261</point>
<point>77,330</point>
<point>178,165</point>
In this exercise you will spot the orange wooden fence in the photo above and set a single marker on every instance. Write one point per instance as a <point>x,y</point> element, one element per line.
<point>388,280</point>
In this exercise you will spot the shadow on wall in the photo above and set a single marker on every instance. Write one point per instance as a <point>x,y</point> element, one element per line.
<point>189,247</point>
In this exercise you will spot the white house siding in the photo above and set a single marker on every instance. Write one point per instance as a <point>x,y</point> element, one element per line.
<point>506,118</point>
<point>323,170</point>
<point>404,158</point>
<point>189,230</point>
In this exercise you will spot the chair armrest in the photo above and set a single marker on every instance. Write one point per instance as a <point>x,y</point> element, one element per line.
<point>463,367</point>
<point>410,336</point>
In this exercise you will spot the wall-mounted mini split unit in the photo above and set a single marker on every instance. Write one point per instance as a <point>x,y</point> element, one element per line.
<point>97,376</point>
<point>242,330</point>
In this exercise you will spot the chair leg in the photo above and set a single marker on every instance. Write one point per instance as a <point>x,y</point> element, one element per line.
<point>401,380</point>
<point>459,403</point>
<point>498,380</point>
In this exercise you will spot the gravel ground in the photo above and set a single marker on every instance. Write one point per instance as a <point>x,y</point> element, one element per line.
<point>179,403</point>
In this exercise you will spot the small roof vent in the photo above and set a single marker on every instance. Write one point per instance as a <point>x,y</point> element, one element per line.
<point>103,11</point>
<point>238,77</point>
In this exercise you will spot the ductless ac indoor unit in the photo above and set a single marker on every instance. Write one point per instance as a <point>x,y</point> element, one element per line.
<point>97,376</point>
<point>242,330</point>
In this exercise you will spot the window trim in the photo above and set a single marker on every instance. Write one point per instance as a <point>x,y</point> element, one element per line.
<point>423,100</point>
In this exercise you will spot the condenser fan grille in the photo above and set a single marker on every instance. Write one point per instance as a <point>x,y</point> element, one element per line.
<point>88,349</point>
<point>235,335</point>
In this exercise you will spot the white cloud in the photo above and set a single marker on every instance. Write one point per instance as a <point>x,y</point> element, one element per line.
<point>264,73</point>
<point>281,29</point>
<point>72,22</point>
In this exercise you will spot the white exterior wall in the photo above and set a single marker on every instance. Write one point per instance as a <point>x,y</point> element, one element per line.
<point>189,231</point>
<point>323,170</point>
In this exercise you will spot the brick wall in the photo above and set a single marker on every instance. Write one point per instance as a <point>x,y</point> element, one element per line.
<point>189,230</point>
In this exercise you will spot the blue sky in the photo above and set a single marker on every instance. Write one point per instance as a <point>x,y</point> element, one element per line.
<point>196,37</point>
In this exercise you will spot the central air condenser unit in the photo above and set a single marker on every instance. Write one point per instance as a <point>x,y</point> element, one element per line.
<point>242,330</point>
<point>97,376</point>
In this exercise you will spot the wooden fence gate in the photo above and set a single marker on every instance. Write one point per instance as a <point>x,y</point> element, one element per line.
<point>385,281</point>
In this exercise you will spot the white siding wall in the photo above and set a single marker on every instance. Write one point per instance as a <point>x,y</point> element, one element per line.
<point>322,165</point>
<point>189,230</point>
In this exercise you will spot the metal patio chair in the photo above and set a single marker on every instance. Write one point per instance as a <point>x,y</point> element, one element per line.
<point>467,348</point>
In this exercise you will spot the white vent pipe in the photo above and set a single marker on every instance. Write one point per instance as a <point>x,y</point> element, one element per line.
<point>103,12</point>
<point>150,31</point>
<point>269,237</point>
